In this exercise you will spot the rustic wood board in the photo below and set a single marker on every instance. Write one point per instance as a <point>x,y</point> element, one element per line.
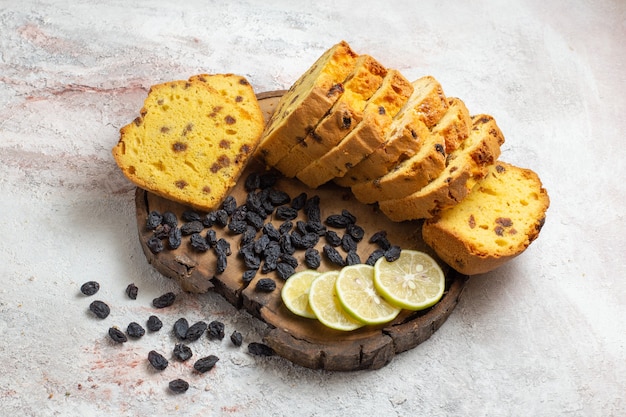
<point>305,342</point>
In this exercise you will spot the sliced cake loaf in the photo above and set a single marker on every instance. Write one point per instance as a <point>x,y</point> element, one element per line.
<point>306,102</point>
<point>496,222</point>
<point>465,166</point>
<point>345,114</point>
<point>368,135</point>
<point>192,139</point>
<point>424,166</point>
<point>408,132</point>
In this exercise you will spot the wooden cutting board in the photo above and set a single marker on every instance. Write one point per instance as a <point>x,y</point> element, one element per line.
<point>305,342</point>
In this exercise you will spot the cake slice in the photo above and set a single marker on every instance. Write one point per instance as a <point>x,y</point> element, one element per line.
<point>465,166</point>
<point>345,114</point>
<point>365,137</point>
<point>411,174</point>
<point>496,222</point>
<point>408,132</point>
<point>192,139</point>
<point>306,102</point>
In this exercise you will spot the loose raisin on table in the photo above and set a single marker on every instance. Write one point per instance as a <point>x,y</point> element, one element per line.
<point>154,219</point>
<point>286,213</point>
<point>253,181</point>
<point>157,360</point>
<point>299,201</point>
<point>249,275</point>
<point>374,256</point>
<point>267,180</point>
<point>348,243</point>
<point>355,231</point>
<point>100,309</point>
<point>169,219</point>
<point>199,243</point>
<point>131,291</point>
<point>312,209</point>
<point>216,330</point>
<point>337,221</point>
<point>285,227</point>
<point>117,335</point>
<point>333,255</point>
<point>211,238</point>
<point>393,253</point>
<point>205,364</point>
<point>155,245</point>
<point>178,386</point>
<point>191,216</point>
<point>332,238</point>
<point>352,258</point>
<point>229,204</point>
<point>312,258</point>
<point>270,231</point>
<point>351,217</point>
<point>284,270</point>
<point>195,331</point>
<point>260,349</point>
<point>266,285</point>
<point>221,217</point>
<point>90,288</point>
<point>209,219</point>
<point>380,238</point>
<point>223,246</point>
<point>289,259</point>
<point>180,328</point>
<point>278,197</point>
<point>286,243</point>
<point>162,231</point>
<point>154,324</point>
<point>221,264</point>
<point>254,220</point>
<point>135,330</point>
<point>182,352</point>
<point>164,300</point>
<point>237,226</point>
<point>175,238</point>
<point>236,338</point>
<point>191,228</point>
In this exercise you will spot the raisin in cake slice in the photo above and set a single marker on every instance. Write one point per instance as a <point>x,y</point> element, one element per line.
<point>496,222</point>
<point>306,102</point>
<point>465,166</point>
<point>412,174</point>
<point>345,114</point>
<point>368,135</point>
<point>192,139</point>
<point>408,132</point>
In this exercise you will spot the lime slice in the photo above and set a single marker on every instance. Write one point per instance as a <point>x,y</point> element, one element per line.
<point>358,296</point>
<point>414,281</point>
<point>295,293</point>
<point>325,304</point>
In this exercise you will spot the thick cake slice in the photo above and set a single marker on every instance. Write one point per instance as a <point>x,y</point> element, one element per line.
<point>192,139</point>
<point>465,166</point>
<point>306,102</point>
<point>411,174</point>
<point>408,132</point>
<point>496,222</point>
<point>365,137</point>
<point>345,114</point>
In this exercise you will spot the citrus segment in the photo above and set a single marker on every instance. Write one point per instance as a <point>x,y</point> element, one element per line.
<point>414,281</point>
<point>295,293</point>
<point>325,304</point>
<point>359,298</point>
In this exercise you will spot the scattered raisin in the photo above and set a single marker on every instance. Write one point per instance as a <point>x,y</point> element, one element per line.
<point>352,258</point>
<point>211,238</point>
<point>348,243</point>
<point>289,259</point>
<point>298,202</point>
<point>175,238</point>
<point>260,349</point>
<point>393,253</point>
<point>229,204</point>
<point>178,386</point>
<point>267,180</point>
<point>285,227</point>
<point>100,309</point>
<point>216,330</point>
<point>266,285</point>
<point>284,270</point>
<point>270,231</point>
<point>253,181</point>
<point>333,255</point>
<point>205,364</point>
<point>286,213</point>
<point>180,328</point>
<point>332,238</point>
<point>131,291</point>
<point>374,256</point>
<point>209,219</point>
<point>154,324</point>
<point>248,275</point>
<point>199,243</point>
<point>117,335</point>
<point>154,219</point>
<point>182,352</point>
<point>195,331</point>
<point>312,209</point>
<point>221,217</point>
<point>355,231</point>
<point>90,288</point>
<point>155,245</point>
<point>278,198</point>
<point>169,219</point>
<point>236,338</point>
<point>191,216</point>
<point>351,217</point>
<point>254,220</point>
<point>135,330</point>
<point>380,238</point>
<point>157,360</point>
<point>312,258</point>
<point>191,228</point>
<point>338,221</point>
<point>164,300</point>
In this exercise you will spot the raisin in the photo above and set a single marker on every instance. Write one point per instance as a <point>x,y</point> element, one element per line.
<point>249,275</point>
<point>154,219</point>
<point>195,331</point>
<point>333,255</point>
<point>301,227</point>
<point>278,198</point>
<point>267,180</point>
<point>254,220</point>
<point>182,352</point>
<point>253,181</point>
<point>191,228</point>
<point>248,236</point>
<point>169,219</point>
<point>348,243</point>
<point>237,226</point>
<point>261,243</point>
<point>191,216</point>
<point>223,246</point>
<point>253,202</point>
<point>298,202</point>
<point>157,360</point>
<point>289,259</point>
<point>337,220</point>
<point>175,238</point>
<point>229,204</point>
<point>221,263</point>
<point>270,231</point>
<point>352,258</point>
<point>236,338</point>
<point>285,227</point>
<point>312,209</point>
<point>286,244</point>
<point>221,217</point>
<point>205,364</point>
<point>316,227</point>
<point>135,330</point>
<point>211,238</point>
<point>351,217</point>
<point>393,253</point>
<point>286,213</point>
<point>260,349</point>
<point>155,245</point>
<point>209,219</point>
<point>380,238</point>
<point>312,258</point>
<point>90,288</point>
<point>162,231</point>
<point>154,324</point>
<point>374,256</point>
<point>164,300</point>
<point>355,231</point>
<point>199,243</point>
<point>180,328</point>
<point>178,386</point>
<point>332,238</point>
<point>131,291</point>
<point>284,270</point>
<point>250,259</point>
<point>216,330</point>
<point>117,335</point>
<point>100,309</point>
<point>266,285</point>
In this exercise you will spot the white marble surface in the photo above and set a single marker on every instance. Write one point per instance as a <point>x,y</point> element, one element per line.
<point>543,336</point>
